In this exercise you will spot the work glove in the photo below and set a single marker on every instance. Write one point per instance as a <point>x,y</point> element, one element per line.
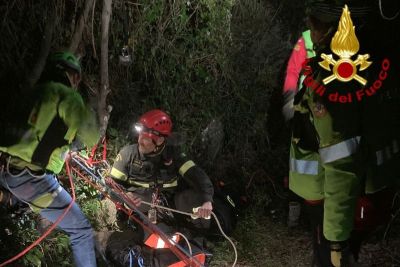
<point>205,210</point>
<point>288,108</point>
<point>341,255</point>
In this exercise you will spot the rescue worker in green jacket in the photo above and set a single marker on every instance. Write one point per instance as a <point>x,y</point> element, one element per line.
<point>331,120</point>
<point>155,162</point>
<point>29,167</point>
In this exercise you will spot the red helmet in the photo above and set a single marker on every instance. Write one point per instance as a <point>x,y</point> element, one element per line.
<point>154,124</point>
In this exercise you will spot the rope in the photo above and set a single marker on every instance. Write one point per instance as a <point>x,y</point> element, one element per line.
<point>187,242</point>
<point>92,155</point>
<point>51,228</point>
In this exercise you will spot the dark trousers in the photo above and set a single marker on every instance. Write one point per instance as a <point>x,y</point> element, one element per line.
<point>321,246</point>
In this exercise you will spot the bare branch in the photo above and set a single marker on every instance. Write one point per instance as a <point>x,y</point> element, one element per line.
<point>45,45</point>
<point>77,37</point>
<point>103,109</point>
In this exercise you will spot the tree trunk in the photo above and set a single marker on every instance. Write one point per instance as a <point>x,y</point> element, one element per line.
<point>103,110</point>
<point>77,37</point>
<point>45,45</point>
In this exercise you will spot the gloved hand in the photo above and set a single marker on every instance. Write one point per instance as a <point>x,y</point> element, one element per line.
<point>341,255</point>
<point>205,210</point>
<point>288,109</point>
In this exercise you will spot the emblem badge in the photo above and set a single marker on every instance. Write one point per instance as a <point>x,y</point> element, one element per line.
<point>345,44</point>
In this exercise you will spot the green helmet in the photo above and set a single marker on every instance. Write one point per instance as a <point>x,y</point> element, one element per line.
<point>63,61</point>
<point>329,11</point>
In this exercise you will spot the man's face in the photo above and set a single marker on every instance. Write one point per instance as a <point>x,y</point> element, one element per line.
<point>147,145</point>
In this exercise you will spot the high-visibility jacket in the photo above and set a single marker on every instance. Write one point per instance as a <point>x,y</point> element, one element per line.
<point>58,117</point>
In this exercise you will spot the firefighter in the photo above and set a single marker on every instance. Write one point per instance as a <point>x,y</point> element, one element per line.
<point>29,167</point>
<point>340,133</point>
<point>155,162</point>
<point>294,78</point>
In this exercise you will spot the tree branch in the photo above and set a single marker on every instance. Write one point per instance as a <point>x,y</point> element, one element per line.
<point>77,37</point>
<point>103,110</point>
<point>45,45</point>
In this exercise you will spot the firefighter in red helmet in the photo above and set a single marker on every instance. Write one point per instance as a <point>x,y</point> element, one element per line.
<point>156,163</point>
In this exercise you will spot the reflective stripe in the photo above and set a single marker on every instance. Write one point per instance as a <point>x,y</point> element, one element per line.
<point>308,44</point>
<point>340,150</point>
<point>304,166</point>
<point>44,200</point>
<point>387,152</point>
<point>174,183</point>
<point>160,243</point>
<point>148,185</point>
<point>117,174</point>
<point>185,167</point>
<point>155,241</point>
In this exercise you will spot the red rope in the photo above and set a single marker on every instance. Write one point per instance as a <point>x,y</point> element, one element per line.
<point>51,228</point>
<point>92,155</point>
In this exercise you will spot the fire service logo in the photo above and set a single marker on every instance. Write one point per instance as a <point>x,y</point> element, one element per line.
<point>345,45</point>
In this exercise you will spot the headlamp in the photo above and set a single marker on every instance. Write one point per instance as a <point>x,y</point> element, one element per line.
<point>140,128</point>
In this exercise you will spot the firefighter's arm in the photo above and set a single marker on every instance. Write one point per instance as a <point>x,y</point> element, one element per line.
<point>293,70</point>
<point>193,175</point>
<point>198,179</point>
<point>295,63</point>
<point>80,119</point>
<point>88,132</point>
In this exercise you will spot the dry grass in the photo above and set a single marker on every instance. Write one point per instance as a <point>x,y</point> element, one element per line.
<point>263,242</point>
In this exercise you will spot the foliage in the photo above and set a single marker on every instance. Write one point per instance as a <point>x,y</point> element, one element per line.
<point>19,230</point>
